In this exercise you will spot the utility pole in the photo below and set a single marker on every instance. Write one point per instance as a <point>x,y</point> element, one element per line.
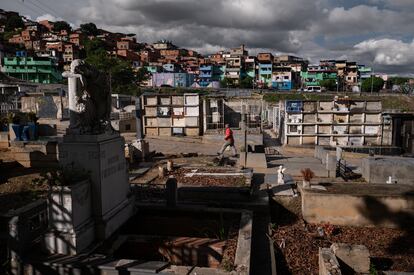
<point>244,130</point>
<point>337,84</point>
<point>372,81</point>
<point>110,82</point>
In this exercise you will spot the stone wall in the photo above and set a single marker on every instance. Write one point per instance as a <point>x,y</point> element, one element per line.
<point>38,154</point>
<point>46,106</point>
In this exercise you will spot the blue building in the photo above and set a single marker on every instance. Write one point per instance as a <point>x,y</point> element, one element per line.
<point>265,74</point>
<point>283,78</point>
<point>172,79</point>
<point>209,74</point>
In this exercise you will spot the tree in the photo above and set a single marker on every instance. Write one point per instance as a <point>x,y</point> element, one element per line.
<point>61,25</point>
<point>122,78</point>
<point>93,46</point>
<point>399,80</point>
<point>14,22</point>
<point>329,84</point>
<point>246,83</point>
<point>89,29</point>
<point>142,75</point>
<point>373,83</point>
<point>227,83</point>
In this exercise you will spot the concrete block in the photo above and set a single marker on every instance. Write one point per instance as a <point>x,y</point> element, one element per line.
<point>293,140</point>
<point>151,131</point>
<point>378,170</point>
<point>165,132</point>
<point>70,243</point>
<point>328,263</point>
<point>254,160</point>
<point>192,132</point>
<point>70,206</point>
<point>331,165</point>
<point>243,252</point>
<point>354,256</point>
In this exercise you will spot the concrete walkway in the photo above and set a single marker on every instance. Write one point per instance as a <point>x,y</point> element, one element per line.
<point>294,164</point>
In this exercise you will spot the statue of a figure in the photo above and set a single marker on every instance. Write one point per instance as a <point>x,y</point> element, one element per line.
<point>89,99</point>
<point>281,175</point>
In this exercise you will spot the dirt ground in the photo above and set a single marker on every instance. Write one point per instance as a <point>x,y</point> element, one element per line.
<point>17,187</point>
<point>297,242</point>
<point>182,177</point>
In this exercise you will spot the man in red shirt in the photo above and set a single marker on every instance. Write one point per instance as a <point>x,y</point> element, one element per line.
<point>229,142</point>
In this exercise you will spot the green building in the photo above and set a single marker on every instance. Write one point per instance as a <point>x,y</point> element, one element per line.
<point>33,69</point>
<point>314,78</point>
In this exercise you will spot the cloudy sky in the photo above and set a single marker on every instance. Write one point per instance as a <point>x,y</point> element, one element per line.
<point>379,33</point>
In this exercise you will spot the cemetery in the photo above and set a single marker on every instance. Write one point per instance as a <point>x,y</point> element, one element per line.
<point>94,201</point>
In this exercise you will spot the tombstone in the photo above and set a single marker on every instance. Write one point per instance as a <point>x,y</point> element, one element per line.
<point>140,144</point>
<point>91,144</point>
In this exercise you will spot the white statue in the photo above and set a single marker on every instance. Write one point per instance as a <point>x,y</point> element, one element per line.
<point>281,175</point>
<point>89,99</point>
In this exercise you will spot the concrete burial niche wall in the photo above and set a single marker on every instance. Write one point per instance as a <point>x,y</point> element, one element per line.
<point>357,204</point>
<point>379,170</point>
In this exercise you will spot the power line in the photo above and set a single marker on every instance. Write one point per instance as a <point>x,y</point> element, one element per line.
<point>50,9</point>
<point>39,11</point>
<point>27,7</point>
<point>44,10</point>
<point>38,7</point>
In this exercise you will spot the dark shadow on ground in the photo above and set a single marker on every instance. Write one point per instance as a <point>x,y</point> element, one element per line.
<point>379,214</point>
<point>281,215</point>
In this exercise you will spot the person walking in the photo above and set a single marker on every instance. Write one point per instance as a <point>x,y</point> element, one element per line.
<point>229,141</point>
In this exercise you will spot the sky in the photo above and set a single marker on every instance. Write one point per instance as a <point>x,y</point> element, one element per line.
<point>377,33</point>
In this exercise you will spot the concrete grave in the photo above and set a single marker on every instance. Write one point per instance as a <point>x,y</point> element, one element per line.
<point>328,263</point>
<point>103,156</point>
<point>379,170</point>
<point>355,257</point>
<point>357,204</point>
<point>254,160</point>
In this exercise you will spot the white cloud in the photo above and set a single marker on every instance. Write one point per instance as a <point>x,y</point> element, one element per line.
<point>49,17</point>
<point>388,52</point>
<point>365,20</point>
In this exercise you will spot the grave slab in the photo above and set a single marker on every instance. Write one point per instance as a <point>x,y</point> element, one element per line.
<point>254,160</point>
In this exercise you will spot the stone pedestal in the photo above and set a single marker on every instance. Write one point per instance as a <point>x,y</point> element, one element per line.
<point>103,156</point>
